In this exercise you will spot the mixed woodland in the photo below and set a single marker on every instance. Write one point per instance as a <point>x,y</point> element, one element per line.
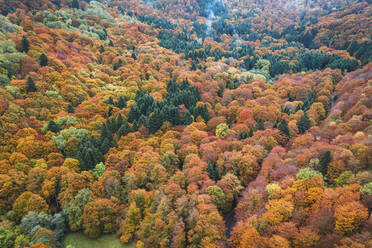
<point>186,123</point>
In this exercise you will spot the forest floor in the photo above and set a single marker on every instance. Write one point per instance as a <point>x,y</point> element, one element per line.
<point>79,240</point>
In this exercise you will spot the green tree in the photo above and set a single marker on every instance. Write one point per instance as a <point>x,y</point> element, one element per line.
<point>307,173</point>
<point>187,118</point>
<point>75,4</point>
<point>213,172</point>
<point>121,103</point>
<point>325,160</point>
<point>43,60</point>
<point>155,122</point>
<point>260,125</point>
<point>6,238</point>
<point>25,45</point>
<point>70,109</point>
<point>76,207</point>
<point>53,127</point>
<point>217,195</point>
<point>367,189</point>
<point>30,85</point>
<point>303,124</point>
<point>99,170</point>
<point>221,130</point>
<point>283,127</point>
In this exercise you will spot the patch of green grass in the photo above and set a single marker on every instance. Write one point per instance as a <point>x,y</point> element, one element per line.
<point>79,240</point>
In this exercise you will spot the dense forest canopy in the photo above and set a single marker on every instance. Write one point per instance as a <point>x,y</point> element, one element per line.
<point>186,123</point>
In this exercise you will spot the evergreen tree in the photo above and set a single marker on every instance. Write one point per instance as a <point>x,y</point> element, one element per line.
<point>53,127</point>
<point>250,133</point>
<point>101,49</point>
<point>185,84</point>
<point>260,125</point>
<point>25,45</point>
<point>134,56</point>
<point>187,118</point>
<point>172,87</point>
<point>30,85</point>
<point>124,129</point>
<point>134,114</point>
<point>70,109</point>
<point>75,4</point>
<point>43,60</point>
<point>155,122</point>
<point>109,101</point>
<point>118,64</point>
<point>119,122</point>
<point>213,172</point>
<point>325,160</point>
<point>121,103</point>
<point>283,127</point>
<point>303,124</point>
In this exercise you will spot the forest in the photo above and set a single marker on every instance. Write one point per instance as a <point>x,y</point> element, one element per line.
<point>186,123</point>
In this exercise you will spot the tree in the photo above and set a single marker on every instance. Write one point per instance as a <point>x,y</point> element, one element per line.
<point>303,124</point>
<point>121,103</point>
<point>325,160</point>
<point>99,217</point>
<point>213,172</point>
<point>99,170</point>
<point>70,109</point>
<point>131,223</point>
<point>27,202</point>
<point>25,45</point>
<point>221,130</point>
<point>53,127</point>
<point>350,217</point>
<point>307,173</point>
<point>43,60</point>
<point>283,127</point>
<point>6,238</point>
<point>155,122</point>
<point>76,207</point>
<point>75,4</point>
<point>187,118</point>
<point>367,189</point>
<point>30,85</point>
<point>217,196</point>
<point>260,125</point>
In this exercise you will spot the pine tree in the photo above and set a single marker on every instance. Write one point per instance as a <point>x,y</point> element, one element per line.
<point>124,129</point>
<point>260,125</point>
<point>119,122</point>
<point>70,109</point>
<point>172,87</point>
<point>134,114</point>
<point>121,103</point>
<point>283,127</point>
<point>30,85</point>
<point>250,133</point>
<point>75,4</point>
<point>53,127</point>
<point>213,172</point>
<point>155,122</point>
<point>187,118</point>
<point>25,45</point>
<point>43,60</point>
<point>101,49</point>
<point>134,56</point>
<point>109,101</point>
<point>325,160</point>
<point>303,124</point>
